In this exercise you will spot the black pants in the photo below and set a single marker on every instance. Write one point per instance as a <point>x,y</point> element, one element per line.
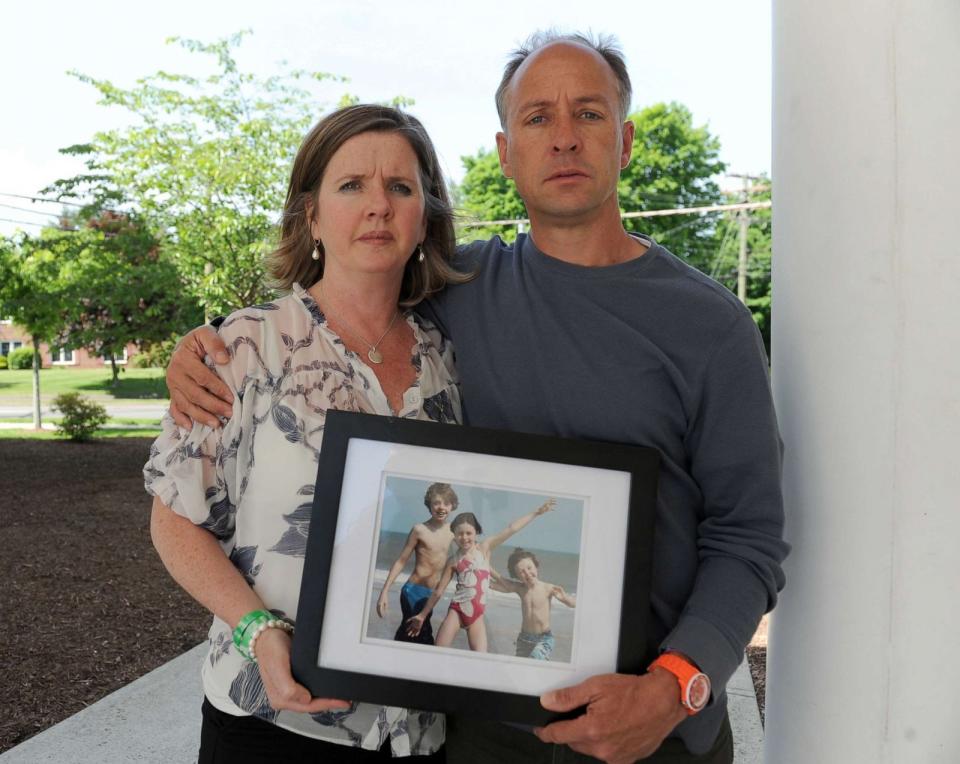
<point>476,741</point>
<point>229,739</point>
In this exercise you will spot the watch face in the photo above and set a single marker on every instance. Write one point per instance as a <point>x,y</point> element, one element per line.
<point>698,692</point>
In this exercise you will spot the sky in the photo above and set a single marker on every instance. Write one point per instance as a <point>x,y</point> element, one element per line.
<point>447,56</point>
<point>557,531</point>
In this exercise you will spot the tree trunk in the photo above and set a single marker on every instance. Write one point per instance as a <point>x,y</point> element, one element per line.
<point>36,383</point>
<point>114,369</point>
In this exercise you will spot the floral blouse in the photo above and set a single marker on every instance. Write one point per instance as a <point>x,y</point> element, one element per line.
<point>251,482</point>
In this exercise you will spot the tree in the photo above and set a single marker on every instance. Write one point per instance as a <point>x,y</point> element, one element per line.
<point>486,194</point>
<point>205,164</point>
<point>673,165</point>
<point>30,296</point>
<point>118,288</point>
<point>724,264</point>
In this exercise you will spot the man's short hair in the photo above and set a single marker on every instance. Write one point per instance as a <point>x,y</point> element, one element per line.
<point>606,45</point>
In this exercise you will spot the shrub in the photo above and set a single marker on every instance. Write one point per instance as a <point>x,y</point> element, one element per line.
<point>81,416</point>
<point>21,358</point>
<point>3,362</point>
<point>156,355</point>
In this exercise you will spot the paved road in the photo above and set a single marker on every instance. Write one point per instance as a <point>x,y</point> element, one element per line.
<point>127,410</point>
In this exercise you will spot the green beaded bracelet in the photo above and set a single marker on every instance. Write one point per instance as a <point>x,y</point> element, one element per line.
<point>246,628</point>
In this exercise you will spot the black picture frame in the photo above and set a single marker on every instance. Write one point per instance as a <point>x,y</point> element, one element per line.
<point>331,538</point>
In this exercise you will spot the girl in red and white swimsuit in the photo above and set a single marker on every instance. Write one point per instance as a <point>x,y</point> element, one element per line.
<point>471,567</point>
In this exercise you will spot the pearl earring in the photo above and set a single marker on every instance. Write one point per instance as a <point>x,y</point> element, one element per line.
<point>315,255</point>
<point>420,256</point>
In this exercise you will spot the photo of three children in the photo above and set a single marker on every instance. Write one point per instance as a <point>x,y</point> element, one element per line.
<point>499,602</point>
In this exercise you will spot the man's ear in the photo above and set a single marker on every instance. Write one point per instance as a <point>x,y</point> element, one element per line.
<point>628,131</point>
<point>502,151</point>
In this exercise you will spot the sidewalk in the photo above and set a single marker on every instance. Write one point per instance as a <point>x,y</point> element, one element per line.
<point>157,719</point>
<point>134,409</point>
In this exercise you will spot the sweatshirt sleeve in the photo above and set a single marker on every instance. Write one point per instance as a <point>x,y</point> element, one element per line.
<point>735,456</point>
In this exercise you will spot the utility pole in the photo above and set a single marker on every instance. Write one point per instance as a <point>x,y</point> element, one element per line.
<point>744,216</point>
<point>742,263</point>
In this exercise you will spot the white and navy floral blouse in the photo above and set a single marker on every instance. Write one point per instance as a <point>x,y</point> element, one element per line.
<point>250,483</point>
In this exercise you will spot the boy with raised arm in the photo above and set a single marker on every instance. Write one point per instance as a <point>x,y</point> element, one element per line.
<point>535,639</point>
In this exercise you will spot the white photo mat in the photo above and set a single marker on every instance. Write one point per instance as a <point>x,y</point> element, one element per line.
<point>606,497</point>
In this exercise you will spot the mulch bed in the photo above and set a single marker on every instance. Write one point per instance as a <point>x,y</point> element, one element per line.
<point>87,605</point>
<point>757,658</point>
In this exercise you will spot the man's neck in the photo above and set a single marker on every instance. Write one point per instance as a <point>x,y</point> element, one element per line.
<point>594,243</point>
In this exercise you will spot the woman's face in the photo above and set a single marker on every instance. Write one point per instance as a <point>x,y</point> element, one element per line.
<point>369,211</point>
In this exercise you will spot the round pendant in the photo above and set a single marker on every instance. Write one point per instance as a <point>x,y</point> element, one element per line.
<point>374,355</point>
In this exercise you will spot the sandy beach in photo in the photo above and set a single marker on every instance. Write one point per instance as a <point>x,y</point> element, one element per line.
<point>502,617</point>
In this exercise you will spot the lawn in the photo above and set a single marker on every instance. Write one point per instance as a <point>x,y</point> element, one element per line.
<point>117,427</point>
<point>133,384</point>
<point>103,432</point>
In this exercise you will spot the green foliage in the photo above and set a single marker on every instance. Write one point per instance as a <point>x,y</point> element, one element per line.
<point>156,355</point>
<point>81,416</point>
<point>3,362</point>
<point>485,194</point>
<point>673,165</point>
<point>21,358</point>
<point>725,262</point>
<point>119,287</point>
<point>29,286</point>
<point>205,162</point>
<point>29,296</point>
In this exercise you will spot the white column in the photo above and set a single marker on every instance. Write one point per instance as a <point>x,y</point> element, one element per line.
<point>864,661</point>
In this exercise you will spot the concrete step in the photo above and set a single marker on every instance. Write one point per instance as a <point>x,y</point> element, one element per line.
<point>157,719</point>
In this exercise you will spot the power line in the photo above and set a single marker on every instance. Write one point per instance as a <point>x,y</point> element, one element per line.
<point>41,199</point>
<point>32,212</point>
<point>698,210</point>
<point>24,222</point>
<point>645,213</point>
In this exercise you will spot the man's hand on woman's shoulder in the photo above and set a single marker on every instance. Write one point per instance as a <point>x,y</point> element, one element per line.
<point>196,393</point>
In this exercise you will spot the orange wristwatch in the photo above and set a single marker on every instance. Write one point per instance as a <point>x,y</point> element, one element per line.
<point>694,684</point>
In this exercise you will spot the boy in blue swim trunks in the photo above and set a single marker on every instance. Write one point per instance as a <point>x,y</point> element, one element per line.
<point>535,639</point>
<point>429,543</point>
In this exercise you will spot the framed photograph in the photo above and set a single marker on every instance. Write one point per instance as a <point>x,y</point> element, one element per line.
<point>458,569</point>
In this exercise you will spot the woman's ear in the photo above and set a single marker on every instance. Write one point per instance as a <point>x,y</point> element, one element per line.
<point>309,208</point>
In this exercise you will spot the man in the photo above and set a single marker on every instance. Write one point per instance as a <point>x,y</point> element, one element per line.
<point>582,330</point>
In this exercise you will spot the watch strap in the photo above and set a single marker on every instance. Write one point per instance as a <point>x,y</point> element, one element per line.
<point>690,679</point>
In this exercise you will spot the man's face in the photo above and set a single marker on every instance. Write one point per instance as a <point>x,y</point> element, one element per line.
<point>564,144</point>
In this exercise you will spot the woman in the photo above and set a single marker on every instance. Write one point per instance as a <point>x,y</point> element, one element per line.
<point>367,230</point>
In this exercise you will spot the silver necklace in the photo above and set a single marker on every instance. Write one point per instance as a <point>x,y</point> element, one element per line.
<point>373,354</point>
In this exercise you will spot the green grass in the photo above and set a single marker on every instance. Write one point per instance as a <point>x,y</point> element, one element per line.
<point>55,419</point>
<point>133,384</point>
<point>106,432</point>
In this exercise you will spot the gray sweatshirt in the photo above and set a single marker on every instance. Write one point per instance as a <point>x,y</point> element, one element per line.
<point>648,352</point>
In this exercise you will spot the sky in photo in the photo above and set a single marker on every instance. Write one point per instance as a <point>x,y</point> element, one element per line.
<point>556,531</point>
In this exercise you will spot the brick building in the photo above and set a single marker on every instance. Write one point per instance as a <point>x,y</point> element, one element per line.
<point>13,337</point>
